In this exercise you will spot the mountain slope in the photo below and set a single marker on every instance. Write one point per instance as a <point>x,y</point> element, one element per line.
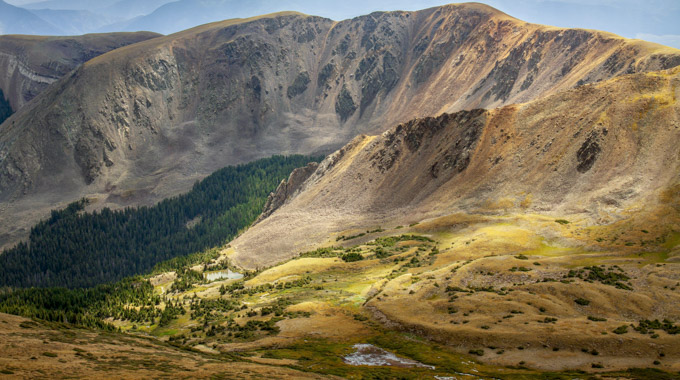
<point>31,63</point>
<point>605,154</point>
<point>146,121</point>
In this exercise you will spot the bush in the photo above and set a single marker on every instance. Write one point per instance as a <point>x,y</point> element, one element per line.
<point>478,352</point>
<point>621,330</point>
<point>562,221</point>
<point>582,301</point>
<point>351,257</point>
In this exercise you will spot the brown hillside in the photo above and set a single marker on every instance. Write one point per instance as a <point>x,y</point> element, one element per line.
<point>602,153</point>
<point>36,349</point>
<point>31,63</point>
<point>145,121</point>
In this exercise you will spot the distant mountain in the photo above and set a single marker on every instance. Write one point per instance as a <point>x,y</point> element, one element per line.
<point>15,20</point>
<point>128,9</point>
<point>72,22</point>
<point>111,9</point>
<point>73,17</point>
<point>186,14</point>
<point>144,122</point>
<point>71,4</point>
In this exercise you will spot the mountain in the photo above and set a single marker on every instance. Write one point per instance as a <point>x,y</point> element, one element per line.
<point>538,239</point>
<point>70,4</point>
<point>72,22</point>
<point>145,121</point>
<point>128,9</point>
<point>189,13</point>
<point>15,20</point>
<point>31,63</point>
<point>593,153</point>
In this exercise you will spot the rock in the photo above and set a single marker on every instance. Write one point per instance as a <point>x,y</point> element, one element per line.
<point>287,189</point>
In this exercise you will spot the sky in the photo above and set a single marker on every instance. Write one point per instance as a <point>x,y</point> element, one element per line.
<point>652,20</point>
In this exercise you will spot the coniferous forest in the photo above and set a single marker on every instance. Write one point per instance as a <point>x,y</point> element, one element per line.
<point>5,109</point>
<point>77,249</point>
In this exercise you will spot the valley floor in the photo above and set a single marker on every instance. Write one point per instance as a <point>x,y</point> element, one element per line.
<point>483,296</point>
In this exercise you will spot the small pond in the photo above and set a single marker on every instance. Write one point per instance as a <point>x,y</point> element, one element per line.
<point>368,354</point>
<point>222,275</point>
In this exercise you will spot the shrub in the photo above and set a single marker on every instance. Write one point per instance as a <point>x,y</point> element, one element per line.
<point>582,301</point>
<point>478,352</point>
<point>351,257</point>
<point>621,330</point>
<point>562,221</point>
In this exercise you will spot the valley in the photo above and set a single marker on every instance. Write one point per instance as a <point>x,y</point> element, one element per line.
<point>487,296</point>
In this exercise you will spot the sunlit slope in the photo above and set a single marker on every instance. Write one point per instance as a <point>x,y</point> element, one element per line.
<point>605,154</point>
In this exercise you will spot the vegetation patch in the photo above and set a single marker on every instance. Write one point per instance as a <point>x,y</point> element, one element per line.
<point>646,326</point>
<point>613,276</point>
<point>106,246</point>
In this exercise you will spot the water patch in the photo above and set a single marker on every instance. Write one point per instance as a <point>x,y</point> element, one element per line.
<point>368,354</point>
<point>222,275</point>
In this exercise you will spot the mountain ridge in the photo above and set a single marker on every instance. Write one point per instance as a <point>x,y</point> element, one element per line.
<point>547,156</point>
<point>171,110</point>
<point>31,63</point>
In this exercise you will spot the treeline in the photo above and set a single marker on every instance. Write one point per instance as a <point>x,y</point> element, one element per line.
<point>80,249</point>
<point>128,299</point>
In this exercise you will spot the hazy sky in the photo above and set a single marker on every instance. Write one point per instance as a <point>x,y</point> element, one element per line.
<point>654,20</point>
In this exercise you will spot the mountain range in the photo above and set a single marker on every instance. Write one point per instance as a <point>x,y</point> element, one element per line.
<point>498,199</point>
<point>144,122</point>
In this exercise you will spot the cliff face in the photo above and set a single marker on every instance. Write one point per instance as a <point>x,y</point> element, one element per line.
<point>31,63</point>
<point>597,152</point>
<point>145,121</point>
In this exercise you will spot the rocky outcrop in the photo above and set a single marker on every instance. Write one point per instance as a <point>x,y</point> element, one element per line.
<point>287,189</point>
